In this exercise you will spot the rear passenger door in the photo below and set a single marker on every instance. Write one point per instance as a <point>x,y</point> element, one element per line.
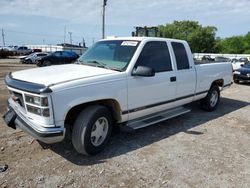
<point>147,95</point>
<point>185,74</point>
<point>58,58</point>
<point>66,57</point>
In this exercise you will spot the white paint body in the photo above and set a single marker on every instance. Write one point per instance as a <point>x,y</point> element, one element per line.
<point>76,84</point>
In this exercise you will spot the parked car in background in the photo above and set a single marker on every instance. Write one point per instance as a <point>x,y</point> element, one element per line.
<point>5,53</point>
<point>37,50</point>
<point>237,64</point>
<point>32,58</point>
<point>22,50</point>
<point>9,49</point>
<point>58,57</point>
<point>221,59</point>
<point>244,59</point>
<point>242,74</point>
<point>207,58</point>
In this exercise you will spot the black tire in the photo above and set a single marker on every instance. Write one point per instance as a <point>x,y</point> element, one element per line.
<point>28,61</point>
<point>236,81</point>
<point>46,63</point>
<point>212,100</point>
<point>85,124</point>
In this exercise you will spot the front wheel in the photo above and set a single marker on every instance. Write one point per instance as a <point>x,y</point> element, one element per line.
<point>28,61</point>
<point>211,101</point>
<point>92,130</point>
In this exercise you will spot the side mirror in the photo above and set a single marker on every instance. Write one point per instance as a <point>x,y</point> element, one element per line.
<point>143,71</point>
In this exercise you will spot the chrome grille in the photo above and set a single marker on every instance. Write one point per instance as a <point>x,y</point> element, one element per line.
<point>18,97</point>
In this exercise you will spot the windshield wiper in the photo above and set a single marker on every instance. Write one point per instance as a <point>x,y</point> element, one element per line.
<point>103,65</point>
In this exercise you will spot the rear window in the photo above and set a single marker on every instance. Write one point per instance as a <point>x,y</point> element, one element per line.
<point>180,55</point>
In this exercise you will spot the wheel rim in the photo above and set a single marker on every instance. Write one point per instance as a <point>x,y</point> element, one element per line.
<point>99,131</point>
<point>214,98</point>
<point>47,63</point>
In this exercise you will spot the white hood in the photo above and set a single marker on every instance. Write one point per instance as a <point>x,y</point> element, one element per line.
<point>59,73</point>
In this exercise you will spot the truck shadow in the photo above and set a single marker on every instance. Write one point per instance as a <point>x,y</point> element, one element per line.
<point>122,143</point>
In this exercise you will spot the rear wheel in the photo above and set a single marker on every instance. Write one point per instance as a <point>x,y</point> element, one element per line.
<point>46,63</point>
<point>92,130</point>
<point>211,101</point>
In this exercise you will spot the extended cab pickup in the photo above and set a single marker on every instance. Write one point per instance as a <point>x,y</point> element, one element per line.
<point>130,82</point>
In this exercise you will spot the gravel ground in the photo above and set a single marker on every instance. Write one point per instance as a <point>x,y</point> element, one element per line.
<point>198,149</point>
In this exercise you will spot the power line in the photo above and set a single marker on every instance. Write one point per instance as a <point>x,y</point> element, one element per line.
<point>34,34</point>
<point>42,34</point>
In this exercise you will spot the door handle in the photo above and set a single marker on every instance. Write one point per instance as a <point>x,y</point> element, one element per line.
<point>173,79</point>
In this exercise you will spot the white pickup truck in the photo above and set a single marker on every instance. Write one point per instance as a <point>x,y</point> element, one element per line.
<point>130,82</point>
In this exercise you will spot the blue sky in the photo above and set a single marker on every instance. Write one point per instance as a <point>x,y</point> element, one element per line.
<point>43,21</point>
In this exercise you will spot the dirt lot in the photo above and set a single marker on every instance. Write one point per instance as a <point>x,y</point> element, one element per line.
<point>198,149</point>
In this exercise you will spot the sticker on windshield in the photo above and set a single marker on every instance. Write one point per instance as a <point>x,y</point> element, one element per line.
<point>129,43</point>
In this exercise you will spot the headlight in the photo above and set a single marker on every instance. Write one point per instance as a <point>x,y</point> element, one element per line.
<point>41,101</point>
<point>38,111</point>
<point>37,105</point>
<point>34,110</point>
<point>236,72</point>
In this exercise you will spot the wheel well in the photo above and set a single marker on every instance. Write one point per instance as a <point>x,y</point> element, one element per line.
<point>219,83</point>
<point>111,104</point>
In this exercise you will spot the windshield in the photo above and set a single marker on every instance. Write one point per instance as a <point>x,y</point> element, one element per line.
<point>113,54</point>
<point>247,65</point>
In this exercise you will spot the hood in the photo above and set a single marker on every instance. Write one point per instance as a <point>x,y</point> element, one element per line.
<point>60,73</point>
<point>244,70</point>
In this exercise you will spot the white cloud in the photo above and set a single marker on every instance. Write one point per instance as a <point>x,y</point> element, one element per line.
<point>131,12</point>
<point>128,12</point>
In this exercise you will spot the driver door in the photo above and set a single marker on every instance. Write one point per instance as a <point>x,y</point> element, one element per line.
<point>147,95</point>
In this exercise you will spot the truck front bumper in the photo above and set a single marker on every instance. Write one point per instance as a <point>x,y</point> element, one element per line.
<point>50,135</point>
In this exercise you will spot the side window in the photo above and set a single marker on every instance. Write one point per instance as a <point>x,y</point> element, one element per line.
<point>155,55</point>
<point>180,55</point>
<point>66,54</point>
<point>58,54</point>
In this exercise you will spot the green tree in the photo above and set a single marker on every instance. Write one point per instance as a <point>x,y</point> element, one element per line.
<point>232,45</point>
<point>247,43</point>
<point>200,39</point>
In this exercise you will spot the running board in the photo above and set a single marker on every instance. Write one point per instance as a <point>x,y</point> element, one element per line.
<point>154,118</point>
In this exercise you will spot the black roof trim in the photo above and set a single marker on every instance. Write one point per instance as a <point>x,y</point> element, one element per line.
<point>26,86</point>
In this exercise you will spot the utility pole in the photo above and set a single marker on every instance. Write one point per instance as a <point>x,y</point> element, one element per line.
<point>3,35</point>
<point>103,18</point>
<point>70,37</point>
<point>83,42</point>
<point>64,36</point>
